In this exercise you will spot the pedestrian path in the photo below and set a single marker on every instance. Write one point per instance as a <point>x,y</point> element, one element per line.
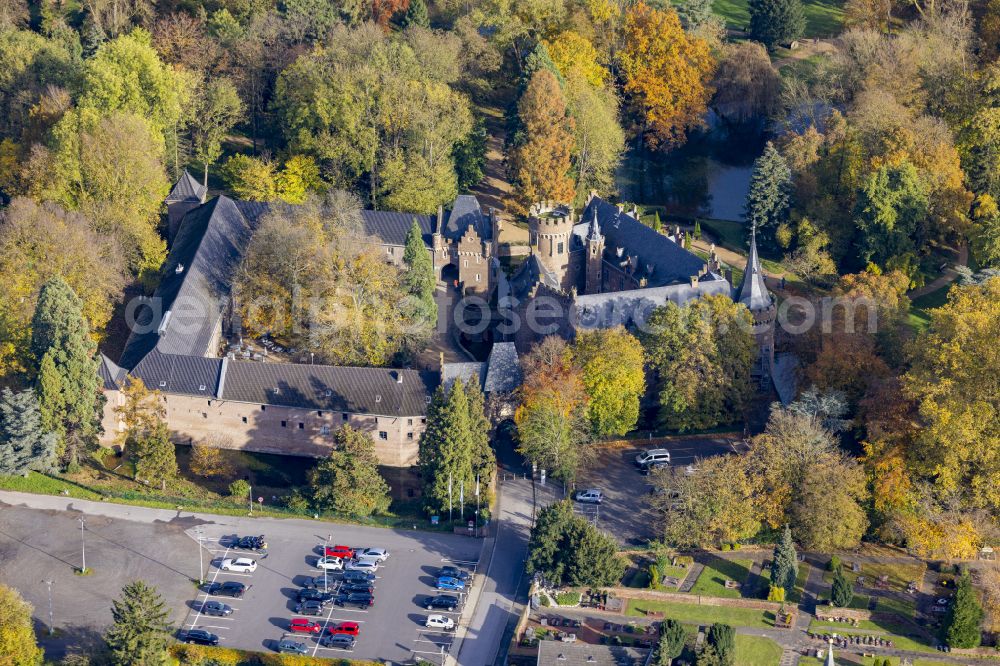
<point>693,572</point>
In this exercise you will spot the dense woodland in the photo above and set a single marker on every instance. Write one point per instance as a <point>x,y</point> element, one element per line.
<point>883,161</point>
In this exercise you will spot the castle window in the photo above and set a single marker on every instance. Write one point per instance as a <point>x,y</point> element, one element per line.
<point>465,263</point>
<point>409,422</point>
<point>244,419</point>
<point>324,430</point>
<point>382,434</point>
<point>263,408</point>
<point>284,424</point>
<point>559,248</point>
<point>344,416</point>
<point>302,426</point>
<point>409,435</point>
<point>477,277</point>
<point>204,415</point>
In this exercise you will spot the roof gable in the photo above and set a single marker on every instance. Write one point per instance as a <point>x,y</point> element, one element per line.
<point>392,227</point>
<point>466,212</point>
<point>187,189</point>
<point>753,291</point>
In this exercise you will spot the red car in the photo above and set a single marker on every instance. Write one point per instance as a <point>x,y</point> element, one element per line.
<point>349,628</point>
<point>343,552</point>
<point>301,625</point>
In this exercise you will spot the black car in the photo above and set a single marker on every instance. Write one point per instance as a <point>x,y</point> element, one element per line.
<point>342,641</point>
<point>310,607</point>
<point>360,599</point>
<point>317,583</point>
<point>357,587</point>
<point>230,588</point>
<point>453,572</point>
<point>252,543</point>
<point>363,576</point>
<point>441,601</point>
<point>314,595</point>
<point>216,608</point>
<point>201,637</point>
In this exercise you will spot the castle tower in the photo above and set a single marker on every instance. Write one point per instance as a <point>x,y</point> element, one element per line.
<point>550,228</point>
<point>593,265</point>
<point>753,293</point>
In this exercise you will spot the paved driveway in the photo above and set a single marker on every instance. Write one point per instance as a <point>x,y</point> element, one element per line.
<point>625,512</point>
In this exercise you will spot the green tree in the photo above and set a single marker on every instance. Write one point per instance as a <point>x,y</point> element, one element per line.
<point>598,137</point>
<point>671,644</point>
<point>965,615</point>
<point>776,22</point>
<point>768,200</point>
<point>219,108</point>
<point>24,443</point>
<point>694,13</point>
<point>785,563</point>
<point>68,385</point>
<point>239,490</point>
<point>567,550</point>
<point>140,632</point>
<point>891,213</point>
<point>483,458</point>
<point>416,14</point>
<point>986,231</point>
<point>708,656</point>
<point>470,156</point>
<point>723,638</point>
<point>703,353</point>
<point>841,593</point>
<point>418,275</point>
<point>155,457</point>
<point>613,376</point>
<point>348,481</point>
<point>17,636</point>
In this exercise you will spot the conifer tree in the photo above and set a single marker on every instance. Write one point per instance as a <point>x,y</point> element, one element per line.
<point>155,457</point>
<point>723,638</point>
<point>694,13</point>
<point>841,593</point>
<point>768,200</point>
<point>671,645</point>
<point>785,564</point>
<point>776,22</point>
<point>348,481</point>
<point>445,449</point>
<point>141,627</point>
<point>483,458</point>
<point>68,384</point>
<point>24,443</point>
<point>416,14</point>
<point>418,275</point>
<point>962,624</point>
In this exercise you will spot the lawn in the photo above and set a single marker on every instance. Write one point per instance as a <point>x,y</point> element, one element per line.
<point>712,581</point>
<point>756,651</point>
<point>697,614</point>
<point>46,485</point>
<point>824,18</point>
<point>726,233</point>
<point>919,316</point>
<point>899,575</point>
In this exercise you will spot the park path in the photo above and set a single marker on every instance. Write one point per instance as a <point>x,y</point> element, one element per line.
<point>946,278</point>
<point>494,188</point>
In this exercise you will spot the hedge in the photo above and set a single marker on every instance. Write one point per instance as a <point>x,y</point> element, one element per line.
<point>199,655</point>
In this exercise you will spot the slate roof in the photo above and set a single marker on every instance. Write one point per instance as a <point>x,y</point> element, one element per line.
<point>187,189</point>
<point>111,375</point>
<point>463,372</point>
<point>557,653</point>
<point>752,291</point>
<point>633,307</point>
<point>178,374</point>
<point>503,373</point>
<point>656,257</point>
<point>466,211</point>
<point>528,274</point>
<point>187,307</point>
<point>324,387</point>
<point>392,227</point>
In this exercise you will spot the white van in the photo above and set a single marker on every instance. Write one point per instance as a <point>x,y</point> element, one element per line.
<point>654,458</point>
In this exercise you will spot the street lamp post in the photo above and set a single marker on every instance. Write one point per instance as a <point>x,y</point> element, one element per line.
<point>326,586</point>
<point>201,561</point>
<point>51,628</point>
<point>83,547</point>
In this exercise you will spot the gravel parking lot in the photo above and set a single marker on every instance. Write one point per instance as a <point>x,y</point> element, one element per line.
<point>392,629</point>
<point>39,545</point>
<point>625,511</point>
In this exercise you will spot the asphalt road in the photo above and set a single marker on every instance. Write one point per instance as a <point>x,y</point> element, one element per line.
<point>625,512</point>
<point>160,546</point>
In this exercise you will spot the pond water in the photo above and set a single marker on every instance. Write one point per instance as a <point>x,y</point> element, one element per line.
<point>709,176</point>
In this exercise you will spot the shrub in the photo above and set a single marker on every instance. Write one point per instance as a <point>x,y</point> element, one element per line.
<point>727,547</point>
<point>239,490</point>
<point>841,594</point>
<point>654,577</point>
<point>834,564</point>
<point>776,593</point>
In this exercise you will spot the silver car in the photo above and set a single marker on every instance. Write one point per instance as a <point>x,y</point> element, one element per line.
<point>590,496</point>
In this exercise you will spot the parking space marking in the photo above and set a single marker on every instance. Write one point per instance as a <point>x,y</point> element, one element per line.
<point>210,626</point>
<point>214,577</point>
<point>234,573</point>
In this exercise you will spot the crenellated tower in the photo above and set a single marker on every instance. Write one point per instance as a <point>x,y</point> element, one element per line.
<point>593,264</point>
<point>550,227</point>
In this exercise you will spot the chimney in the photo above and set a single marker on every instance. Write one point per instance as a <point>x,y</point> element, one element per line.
<point>179,269</point>
<point>590,197</point>
<point>694,281</point>
<point>635,211</point>
<point>440,223</point>
<point>399,376</point>
<point>621,208</point>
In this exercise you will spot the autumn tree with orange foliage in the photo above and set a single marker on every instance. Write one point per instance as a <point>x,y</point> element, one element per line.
<point>666,75</point>
<point>541,161</point>
<point>384,10</point>
<point>552,427</point>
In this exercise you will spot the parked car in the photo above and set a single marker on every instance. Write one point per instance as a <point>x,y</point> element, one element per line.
<point>200,637</point>
<point>451,584</point>
<point>330,563</point>
<point>453,572</point>
<point>590,496</point>
<point>251,543</point>
<point>357,587</point>
<point>239,564</point>
<point>288,646</point>
<point>339,641</point>
<point>368,566</point>
<point>310,607</point>
<point>230,588</point>
<point>652,457</point>
<point>349,628</point>
<point>362,576</point>
<point>300,625</point>
<point>380,554</point>
<point>315,595</point>
<point>318,583</point>
<point>216,608</point>
<point>343,552</point>
<point>440,622</point>
<point>360,599</point>
<point>441,601</point>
